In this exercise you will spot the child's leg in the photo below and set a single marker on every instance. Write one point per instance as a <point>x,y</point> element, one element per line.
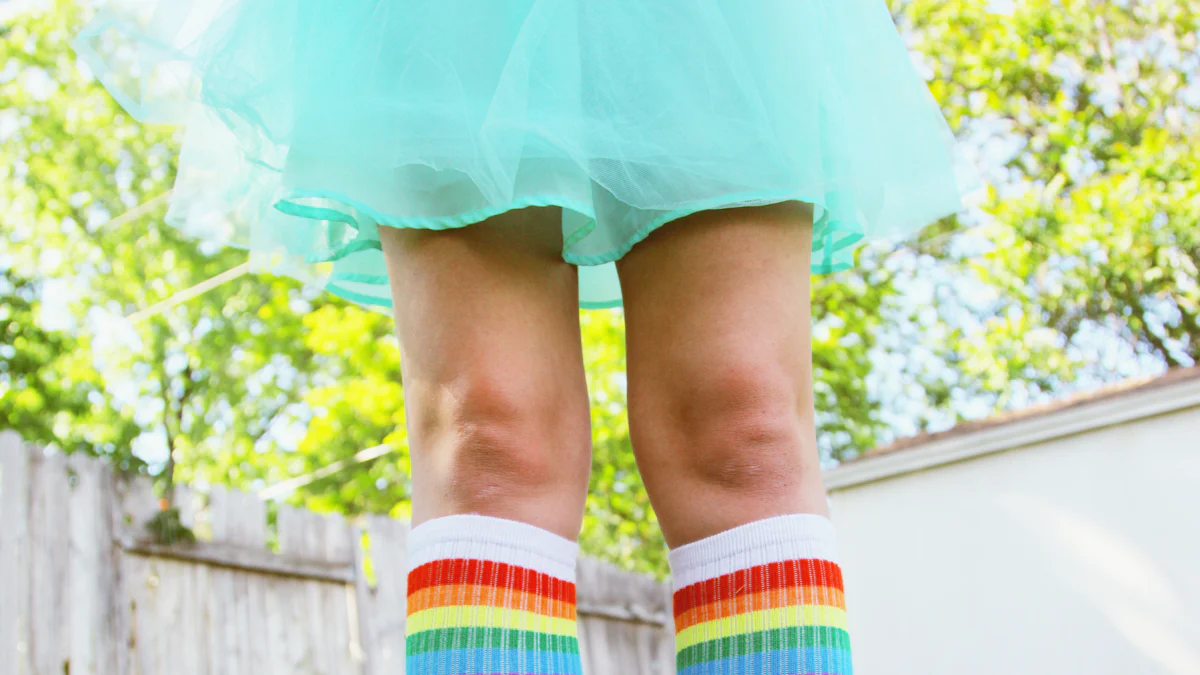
<point>721,414</point>
<point>494,388</point>
<point>500,439</point>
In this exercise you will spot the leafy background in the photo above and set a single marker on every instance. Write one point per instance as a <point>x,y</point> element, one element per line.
<point>1077,268</point>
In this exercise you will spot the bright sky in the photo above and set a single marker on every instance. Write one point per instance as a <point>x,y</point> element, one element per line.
<point>11,8</point>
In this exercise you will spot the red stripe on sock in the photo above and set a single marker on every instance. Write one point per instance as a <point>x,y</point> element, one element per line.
<point>786,574</point>
<point>490,573</point>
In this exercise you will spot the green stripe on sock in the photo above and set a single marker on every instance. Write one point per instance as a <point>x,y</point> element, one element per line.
<point>482,638</point>
<point>766,640</point>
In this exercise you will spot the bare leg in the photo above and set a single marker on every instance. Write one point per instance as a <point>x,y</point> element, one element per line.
<point>497,406</point>
<point>720,369</point>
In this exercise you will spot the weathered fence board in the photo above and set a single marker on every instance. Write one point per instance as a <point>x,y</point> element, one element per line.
<point>90,567</point>
<point>15,475</point>
<point>384,605</point>
<point>617,607</point>
<point>50,630</point>
<point>133,504</point>
<point>83,589</point>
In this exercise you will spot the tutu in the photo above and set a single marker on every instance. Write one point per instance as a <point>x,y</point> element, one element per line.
<point>313,123</point>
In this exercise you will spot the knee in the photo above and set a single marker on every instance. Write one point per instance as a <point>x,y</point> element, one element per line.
<point>493,441</point>
<point>745,428</point>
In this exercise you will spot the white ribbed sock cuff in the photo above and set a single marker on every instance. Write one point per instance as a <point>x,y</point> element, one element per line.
<point>486,538</point>
<point>793,537</point>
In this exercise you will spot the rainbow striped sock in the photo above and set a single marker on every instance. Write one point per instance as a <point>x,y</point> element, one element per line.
<point>764,598</point>
<point>488,596</point>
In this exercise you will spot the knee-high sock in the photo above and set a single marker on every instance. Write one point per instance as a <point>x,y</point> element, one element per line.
<point>764,598</point>
<point>488,596</point>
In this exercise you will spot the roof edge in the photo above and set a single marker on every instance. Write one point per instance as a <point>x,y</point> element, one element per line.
<point>1123,402</point>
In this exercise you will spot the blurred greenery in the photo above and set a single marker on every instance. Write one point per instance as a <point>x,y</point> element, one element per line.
<point>1093,219</point>
<point>1079,267</point>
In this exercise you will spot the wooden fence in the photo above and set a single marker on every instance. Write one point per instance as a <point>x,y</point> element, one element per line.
<point>83,590</point>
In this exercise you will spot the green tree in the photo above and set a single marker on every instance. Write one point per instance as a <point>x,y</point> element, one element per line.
<point>206,381</point>
<point>1080,266</point>
<point>1091,236</point>
<point>35,397</point>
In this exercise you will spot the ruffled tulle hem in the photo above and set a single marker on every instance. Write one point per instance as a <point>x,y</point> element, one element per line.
<point>832,244</point>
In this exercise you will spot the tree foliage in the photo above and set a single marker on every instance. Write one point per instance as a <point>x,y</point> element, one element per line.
<point>1079,266</point>
<point>1092,110</point>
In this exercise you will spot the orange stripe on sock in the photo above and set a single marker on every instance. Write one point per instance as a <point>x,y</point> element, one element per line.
<point>458,595</point>
<point>770,599</point>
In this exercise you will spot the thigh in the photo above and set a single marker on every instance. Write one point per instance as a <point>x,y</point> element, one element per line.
<point>488,322</point>
<point>717,312</point>
<point>495,289</point>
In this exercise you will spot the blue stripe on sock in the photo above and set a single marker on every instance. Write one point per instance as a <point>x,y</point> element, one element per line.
<point>490,661</point>
<point>805,661</point>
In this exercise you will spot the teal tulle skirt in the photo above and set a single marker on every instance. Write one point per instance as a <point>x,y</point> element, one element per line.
<point>313,123</point>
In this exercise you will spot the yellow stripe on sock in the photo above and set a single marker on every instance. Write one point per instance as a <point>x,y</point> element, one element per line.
<point>765,619</point>
<point>488,617</point>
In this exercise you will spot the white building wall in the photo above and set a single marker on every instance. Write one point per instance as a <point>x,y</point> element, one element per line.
<point>1076,553</point>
